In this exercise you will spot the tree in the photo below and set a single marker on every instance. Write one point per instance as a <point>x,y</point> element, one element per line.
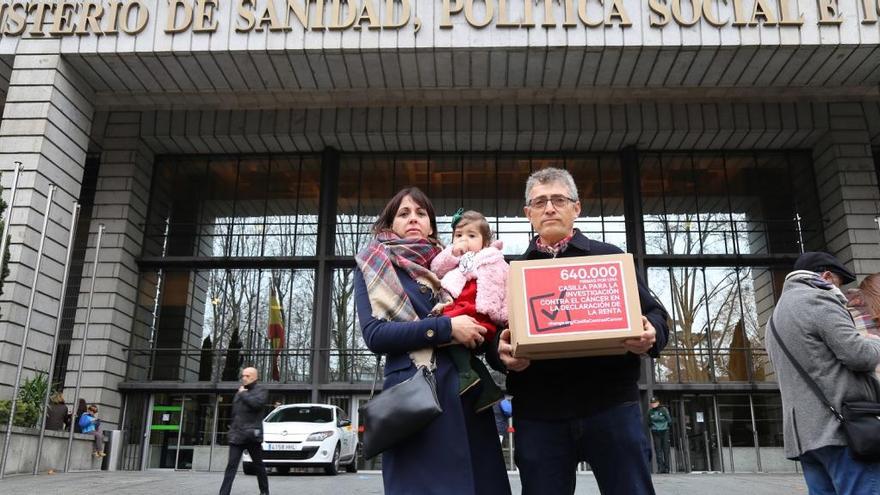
<point>206,360</point>
<point>233,358</point>
<point>712,308</point>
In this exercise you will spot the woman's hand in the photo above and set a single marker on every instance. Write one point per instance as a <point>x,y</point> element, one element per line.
<point>467,332</point>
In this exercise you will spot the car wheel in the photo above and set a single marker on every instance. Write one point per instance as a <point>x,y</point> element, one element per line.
<point>283,470</point>
<point>333,468</point>
<point>248,468</point>
<point>353,467</point>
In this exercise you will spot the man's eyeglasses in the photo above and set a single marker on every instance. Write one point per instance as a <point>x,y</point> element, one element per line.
<point>558,201</point>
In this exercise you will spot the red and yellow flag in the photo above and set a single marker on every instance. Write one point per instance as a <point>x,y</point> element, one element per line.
<point>276,331</point>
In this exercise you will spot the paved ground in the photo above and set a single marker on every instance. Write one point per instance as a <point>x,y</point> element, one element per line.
<point>186,483</point>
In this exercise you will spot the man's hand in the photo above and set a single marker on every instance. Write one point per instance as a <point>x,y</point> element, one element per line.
<point>505,353</point>
<point>644,343</point>
<point>241,388</point>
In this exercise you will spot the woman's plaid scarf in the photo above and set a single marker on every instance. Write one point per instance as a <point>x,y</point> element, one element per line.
<point>377,261</point>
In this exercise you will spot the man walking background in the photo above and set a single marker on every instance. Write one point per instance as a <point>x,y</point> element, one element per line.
<point>812,322</point>
<point>660,421</point>
<point>246,430</point>
<point>568,410</point>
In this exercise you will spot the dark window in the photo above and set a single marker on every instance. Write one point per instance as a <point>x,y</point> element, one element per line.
<point>302,415</point>
<point>721,231</point>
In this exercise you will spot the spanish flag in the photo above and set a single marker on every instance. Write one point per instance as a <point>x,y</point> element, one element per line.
<point>276,331</point>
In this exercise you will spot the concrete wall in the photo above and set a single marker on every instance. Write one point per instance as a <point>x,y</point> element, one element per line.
<point>23,451</point>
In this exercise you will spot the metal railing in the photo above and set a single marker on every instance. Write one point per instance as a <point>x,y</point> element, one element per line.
<point>219,365</point>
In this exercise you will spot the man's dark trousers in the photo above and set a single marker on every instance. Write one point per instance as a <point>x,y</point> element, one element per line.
<point>235,451</point>
<point>612,441</point>
<point>661,447</point>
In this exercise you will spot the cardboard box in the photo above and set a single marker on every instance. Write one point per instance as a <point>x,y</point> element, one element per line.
<point>570,307</point>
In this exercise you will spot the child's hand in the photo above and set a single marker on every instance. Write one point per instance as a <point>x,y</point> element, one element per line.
<point>459,247</point>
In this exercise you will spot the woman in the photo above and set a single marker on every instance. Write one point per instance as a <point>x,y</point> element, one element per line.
<point>459,451</point>
<point>864,304</point>
<point>57,415</point>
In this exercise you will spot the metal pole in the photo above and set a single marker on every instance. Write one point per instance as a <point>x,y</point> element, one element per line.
<point>730,449</point>
<point>85,335</point>
<point>718,437</point>
<point>27,326</point>
<point>73,220</point>
<point>148,427</point>
<point>5,240</point>
<point>755,435</point>
<point>708,450</point>
<point>213,432</point>
<point>877,221</point>
<point>179,431</point>
<point>800,232</point>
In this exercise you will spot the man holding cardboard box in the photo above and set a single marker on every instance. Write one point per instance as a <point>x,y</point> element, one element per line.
<point>578,408</point>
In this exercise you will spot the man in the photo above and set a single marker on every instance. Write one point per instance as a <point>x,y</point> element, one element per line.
<point>812,321</point>
<point>568,410</point>
<point>246,430</point>
<point>660,420</point>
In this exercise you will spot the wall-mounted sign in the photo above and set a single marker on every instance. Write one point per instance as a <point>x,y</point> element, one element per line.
<point>59,18</point>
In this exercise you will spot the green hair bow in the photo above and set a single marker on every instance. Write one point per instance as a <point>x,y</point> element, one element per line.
<point>456,217</point>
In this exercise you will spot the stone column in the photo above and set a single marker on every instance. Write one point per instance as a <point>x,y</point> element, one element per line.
<point>848,195</point>
<point>47,119</point>
<point>121,198</point>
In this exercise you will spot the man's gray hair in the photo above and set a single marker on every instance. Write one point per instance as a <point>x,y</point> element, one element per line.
<point>552,175</point>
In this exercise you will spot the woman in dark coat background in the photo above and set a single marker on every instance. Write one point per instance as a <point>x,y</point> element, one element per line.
<point>458,453</point>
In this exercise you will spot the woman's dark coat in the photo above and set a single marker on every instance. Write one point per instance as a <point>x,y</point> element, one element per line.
<point>459,452</point>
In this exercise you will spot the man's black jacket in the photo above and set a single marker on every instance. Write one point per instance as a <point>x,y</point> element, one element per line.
<point>247,415</point>
<point>575,387</point>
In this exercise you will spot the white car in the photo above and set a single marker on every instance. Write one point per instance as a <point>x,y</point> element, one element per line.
<point>307,435</point>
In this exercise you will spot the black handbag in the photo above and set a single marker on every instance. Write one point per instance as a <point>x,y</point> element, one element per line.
<point>399,411</point>
<point>860,419</point>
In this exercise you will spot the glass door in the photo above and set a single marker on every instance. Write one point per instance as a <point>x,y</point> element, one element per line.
<point>180,431</point>
<point>697,434</point>
<point>166,416</point>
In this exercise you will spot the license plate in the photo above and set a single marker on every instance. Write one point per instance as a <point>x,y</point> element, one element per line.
<point>283,446</point>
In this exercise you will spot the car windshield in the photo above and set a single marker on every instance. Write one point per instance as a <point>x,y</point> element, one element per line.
<point>301,415</point>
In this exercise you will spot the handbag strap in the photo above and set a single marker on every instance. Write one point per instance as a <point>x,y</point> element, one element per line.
<point>812,384</point>
<point>376,375</point>
<point>379,368</point>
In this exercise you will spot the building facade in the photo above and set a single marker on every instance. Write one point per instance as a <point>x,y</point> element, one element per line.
<point>234,154</point>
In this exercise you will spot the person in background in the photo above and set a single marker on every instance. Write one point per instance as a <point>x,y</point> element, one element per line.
<point>57,415</point>
<point>864,305</point>
<point>91,425</point>
<point>81,409</point>
<point>811,320</point>
<point>246,430</point>
<point>660,421</point>
<point>502,413</point>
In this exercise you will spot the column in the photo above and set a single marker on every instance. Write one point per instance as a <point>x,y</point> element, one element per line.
<point>47,119</point>
<point>848,195</point>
